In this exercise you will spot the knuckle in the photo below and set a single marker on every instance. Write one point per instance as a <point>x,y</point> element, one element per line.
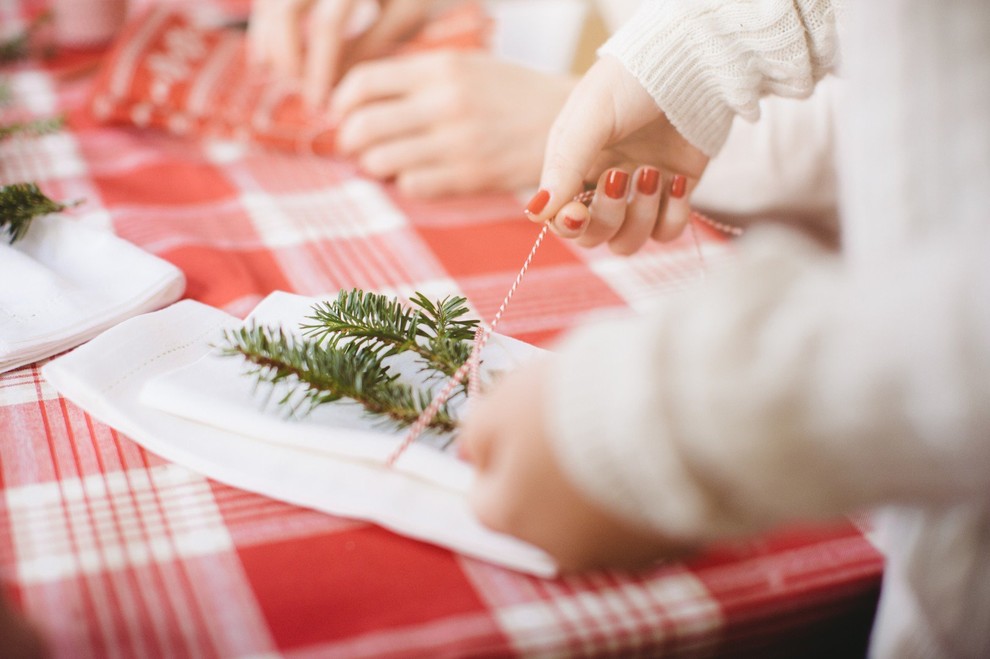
<point>460,169</point>
<point>326,13</point>
<point>455,100</point>
<point>622,247</point>
<point>407,185</point>
<point>359,80</point>
<point>491,512</point>
<point>448,63</point>
<point>374,164</point>
<point>359,128</point>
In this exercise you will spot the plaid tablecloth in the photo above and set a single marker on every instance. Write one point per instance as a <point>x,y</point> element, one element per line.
<point>114,552</point>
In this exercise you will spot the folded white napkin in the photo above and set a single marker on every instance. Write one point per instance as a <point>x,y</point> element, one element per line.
<point>158,379</point>
<point>64,283</point>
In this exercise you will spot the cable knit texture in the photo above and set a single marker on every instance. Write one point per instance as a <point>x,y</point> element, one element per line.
<point>705,61</point>
<point>805,384</point>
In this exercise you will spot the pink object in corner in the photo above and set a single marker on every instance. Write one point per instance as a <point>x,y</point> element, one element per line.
<point>87,23</point>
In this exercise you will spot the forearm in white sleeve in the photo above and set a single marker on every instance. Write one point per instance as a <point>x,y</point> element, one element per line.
<point>786,388</point>
<point>705,61</point>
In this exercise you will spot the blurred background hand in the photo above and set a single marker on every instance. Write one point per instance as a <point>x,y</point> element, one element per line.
<point>448,122</point>
<point>317,40</point>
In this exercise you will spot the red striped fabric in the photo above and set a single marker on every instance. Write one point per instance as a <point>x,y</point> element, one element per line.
<point>117,553</point>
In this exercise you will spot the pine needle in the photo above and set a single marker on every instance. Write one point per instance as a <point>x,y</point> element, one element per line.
<point>319,375</point>
<point>21,46</point>
<point>435,331</point>
<point>33,128</point>
<point>343,351</point>
<point>20,204</point>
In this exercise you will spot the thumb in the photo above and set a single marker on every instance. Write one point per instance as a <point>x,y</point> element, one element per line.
<point>396,22</point>
<point>607,105</point>
<point>582,129</point>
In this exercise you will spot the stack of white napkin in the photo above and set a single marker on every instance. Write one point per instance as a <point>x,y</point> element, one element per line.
<point>159,379</point>
<point>64,283</point>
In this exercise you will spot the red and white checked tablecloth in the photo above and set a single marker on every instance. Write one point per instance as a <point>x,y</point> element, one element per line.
<point>117,553</point>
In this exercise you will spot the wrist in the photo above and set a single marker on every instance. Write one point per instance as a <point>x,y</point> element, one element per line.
<point>660,48</point>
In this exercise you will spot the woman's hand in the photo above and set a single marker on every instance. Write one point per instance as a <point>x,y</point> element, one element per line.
<point>447,122</point>
<point>609,126</point>
<point>521,490</point>
<point>307,38</point>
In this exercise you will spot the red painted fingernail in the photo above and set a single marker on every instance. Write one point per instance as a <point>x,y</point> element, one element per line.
<point>649,181</point>
<point>538,202</point>
<point>678,186</point>
<point>616,184</point>
<point>573,223</point>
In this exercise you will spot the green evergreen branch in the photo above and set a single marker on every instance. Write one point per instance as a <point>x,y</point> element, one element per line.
<point>20,46</point>
<point>450,337</point>
<point>33,128</point>
<point>368,319</point>
<point>20,204</point>
<point>385,326</point>
<point>16,48</point>
<point>320,375</point>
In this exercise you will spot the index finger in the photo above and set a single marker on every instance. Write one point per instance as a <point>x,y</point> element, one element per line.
<point>279,24</point>
<point>258,29</point>
<point>327,32</point>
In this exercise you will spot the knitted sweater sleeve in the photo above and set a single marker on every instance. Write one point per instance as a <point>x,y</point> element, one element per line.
<point>790,386</point>
<point>705,61</point>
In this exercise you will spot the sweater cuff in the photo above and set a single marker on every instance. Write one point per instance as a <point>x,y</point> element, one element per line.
<point>704,61</point>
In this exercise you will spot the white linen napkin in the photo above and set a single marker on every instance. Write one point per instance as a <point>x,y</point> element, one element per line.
<point>331,461</point>
<point>64,283</point>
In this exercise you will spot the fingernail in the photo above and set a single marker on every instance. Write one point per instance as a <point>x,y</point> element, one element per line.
<point>616,184</point>
<point>573,223</point>
<point>538,202</point>
<point>678,186</point>
<point>649,181</point>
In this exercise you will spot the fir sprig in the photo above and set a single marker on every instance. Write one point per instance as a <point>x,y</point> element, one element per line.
<point>343,351</point>
<point>32,128</point>
<point>20,204</point>
<point>325,374</point>
<point>16,48</point>
<point>436,332</point>
<point>21,46</point>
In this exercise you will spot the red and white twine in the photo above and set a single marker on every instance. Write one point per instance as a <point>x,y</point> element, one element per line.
<point>470,368</point>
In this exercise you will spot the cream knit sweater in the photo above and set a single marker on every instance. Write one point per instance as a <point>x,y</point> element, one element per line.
<point>804,384</point>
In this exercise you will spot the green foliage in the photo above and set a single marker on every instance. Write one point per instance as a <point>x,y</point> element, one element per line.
<point>21,46</point>
<point>34,128</point>
<point>20,203</point>
<point>16,48</point>
<point>436,331</point>
<point>343,353</point>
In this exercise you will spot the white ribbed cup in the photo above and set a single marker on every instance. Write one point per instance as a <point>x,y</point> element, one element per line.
<point>87,23</point>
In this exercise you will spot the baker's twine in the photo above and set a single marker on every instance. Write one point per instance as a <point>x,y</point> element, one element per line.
<point>471,366</point>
